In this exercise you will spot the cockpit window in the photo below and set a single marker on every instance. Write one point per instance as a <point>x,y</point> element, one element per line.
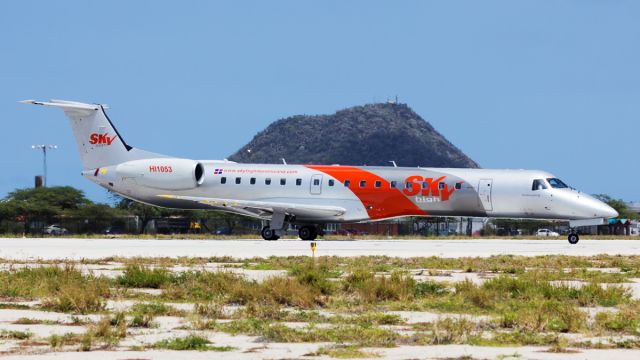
<point>538,184</point>
<point>557,183</point>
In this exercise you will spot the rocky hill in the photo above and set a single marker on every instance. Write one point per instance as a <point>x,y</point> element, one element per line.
<point>371,134</point>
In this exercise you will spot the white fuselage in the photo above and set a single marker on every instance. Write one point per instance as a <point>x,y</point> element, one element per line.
<point>366,193</point>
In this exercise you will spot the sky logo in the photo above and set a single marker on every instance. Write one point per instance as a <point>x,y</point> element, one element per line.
<point>217,171</point>
<point>101,139</point>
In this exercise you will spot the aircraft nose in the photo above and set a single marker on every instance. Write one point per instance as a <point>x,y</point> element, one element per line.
<point>604,210</point>
<point>611,212</point>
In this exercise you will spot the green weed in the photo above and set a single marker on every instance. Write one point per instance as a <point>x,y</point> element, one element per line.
<point>191,342</point>
<point>139,276</point>
<point>15,334</point>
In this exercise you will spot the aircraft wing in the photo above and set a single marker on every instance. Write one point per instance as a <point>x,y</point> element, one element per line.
<point>263,208</point>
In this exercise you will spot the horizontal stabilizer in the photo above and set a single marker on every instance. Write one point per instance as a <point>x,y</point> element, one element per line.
<point>71,105</point>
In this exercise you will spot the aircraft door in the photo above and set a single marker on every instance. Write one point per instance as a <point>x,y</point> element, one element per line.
<point>484,192</point>
<point>316,184</point>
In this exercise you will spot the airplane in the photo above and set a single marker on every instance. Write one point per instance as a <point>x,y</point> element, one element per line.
<point>310,196</point>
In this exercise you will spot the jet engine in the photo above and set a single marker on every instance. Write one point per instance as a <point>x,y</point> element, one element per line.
<point>163,173</point>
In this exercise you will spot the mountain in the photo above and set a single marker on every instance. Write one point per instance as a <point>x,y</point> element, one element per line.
<point>372,134</point>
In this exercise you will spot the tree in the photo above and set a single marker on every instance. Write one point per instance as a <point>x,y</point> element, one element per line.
<point>619,205</point>
<point>94,217</point>
<point>144,212</point>
<point>62,197</point>
<point>220,219</point>
<point>41,205</point>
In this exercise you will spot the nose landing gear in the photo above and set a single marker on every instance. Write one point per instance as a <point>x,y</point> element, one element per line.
<point>573,238</point>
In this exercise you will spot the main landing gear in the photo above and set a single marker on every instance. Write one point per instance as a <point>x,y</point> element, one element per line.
<point>269,234</point>
<point>573,237</point>
<point>308,232</point>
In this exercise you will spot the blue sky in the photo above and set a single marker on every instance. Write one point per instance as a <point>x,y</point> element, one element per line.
<point>551,85</point>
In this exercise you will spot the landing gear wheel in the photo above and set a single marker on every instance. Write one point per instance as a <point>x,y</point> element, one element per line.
<point>269,234</point>
<point>308,233</point>
<point>573,238</point>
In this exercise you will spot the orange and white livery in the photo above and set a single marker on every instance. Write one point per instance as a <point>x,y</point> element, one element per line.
<point>312,195</point>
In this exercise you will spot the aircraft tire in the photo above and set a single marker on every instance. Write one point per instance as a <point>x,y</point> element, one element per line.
<point>573,238</point>
<point>308,233</point>
<point>269,234</point>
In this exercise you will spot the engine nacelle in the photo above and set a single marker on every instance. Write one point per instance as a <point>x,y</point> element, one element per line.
<point>163,173</point>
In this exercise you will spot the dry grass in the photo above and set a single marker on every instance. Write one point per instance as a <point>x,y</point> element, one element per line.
<point>345,301</point>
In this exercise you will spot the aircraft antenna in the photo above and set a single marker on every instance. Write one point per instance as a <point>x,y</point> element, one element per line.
<point>394,163</point>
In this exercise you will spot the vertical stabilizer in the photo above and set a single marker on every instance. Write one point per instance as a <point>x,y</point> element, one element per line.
<point>99,143</point>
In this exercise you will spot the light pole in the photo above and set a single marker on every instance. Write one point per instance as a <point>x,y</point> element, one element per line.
<point>44,148</point>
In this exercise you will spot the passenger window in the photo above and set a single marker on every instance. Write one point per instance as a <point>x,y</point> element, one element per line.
<point>223,180</point>
<point>394,184</point>
<point>458,186</point>
<point>440,185</point>
<point>252,181</point>
<point>425,185</point>
<point>298,182</point>
<point>347,183</point>
<point>363,183</point>
<point>378,183</point>
<point>267,181</point>
<point>331,182</point>
<point>316,182</point>
<point>538,184</point>
<point>283,181</point>
<point>238,180</point>
<point>408,185</point>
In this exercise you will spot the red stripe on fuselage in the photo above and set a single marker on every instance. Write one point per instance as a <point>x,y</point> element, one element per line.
<point>380,203</point>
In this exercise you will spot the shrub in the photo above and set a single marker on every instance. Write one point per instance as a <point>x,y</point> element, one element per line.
<point>268,310</point>
<point>371,288</point>
<point>430,288</point>
<point>535,286</point>
<point>191,342</point>
<point>155,309</point>
<point>15,334</point>
<point>56,341</point>
<point>211,310</point>
<point>374,318</point>
<point>86,342</point>
<point>543,315</point>
<point>344,352</point>
<point>83,298</point>
<point>626,320</point>
<point>315,275</point>
<point>63,288</point>
<point>291,292</point>
<point>109,330</point>
<point>138,276</point>
<point>452,331</point>
<point>208,286</point>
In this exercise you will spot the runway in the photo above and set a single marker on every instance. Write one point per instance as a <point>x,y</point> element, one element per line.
<point>61,248</point>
